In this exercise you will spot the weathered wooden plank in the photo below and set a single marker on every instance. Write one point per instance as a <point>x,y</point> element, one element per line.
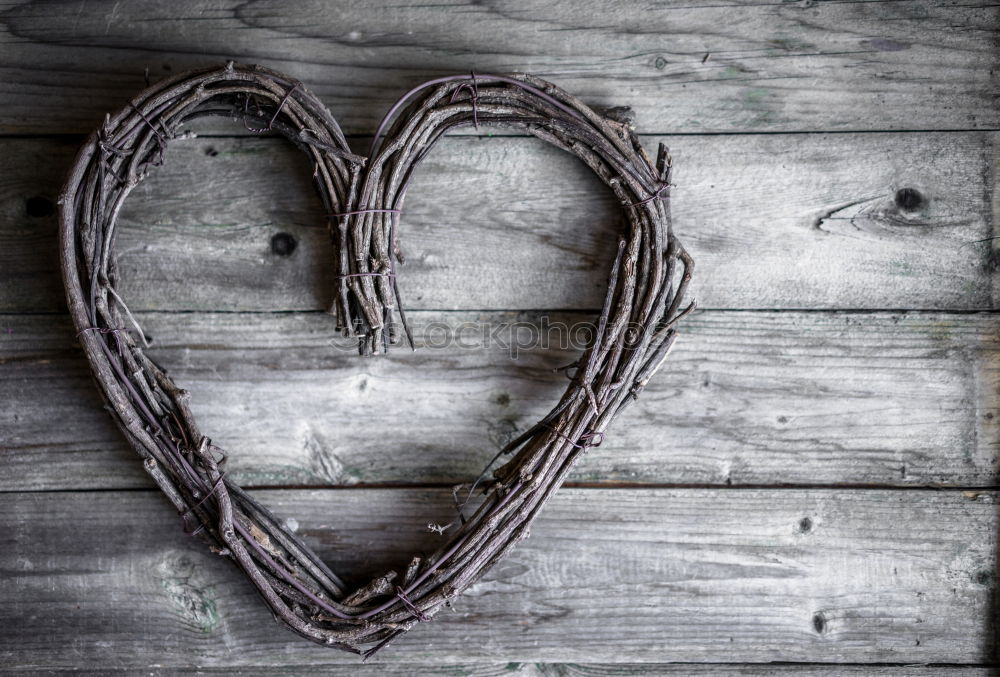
<point>774,221</point>
<point>763,670</point>
<point>108,578</point>
<point>746,398</point>
<point>726,66</point>
<point>514,669</point>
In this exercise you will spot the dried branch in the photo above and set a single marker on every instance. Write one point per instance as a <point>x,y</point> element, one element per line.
<point>364,199</point>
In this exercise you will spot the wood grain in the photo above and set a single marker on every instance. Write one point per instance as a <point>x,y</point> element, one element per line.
<point>108,578</point>
<point>764,670</point>
<point>838,581</point>
<point>724,66</point>
<point>746,398</point>
<point>516,669</point>
<point>773,221</point>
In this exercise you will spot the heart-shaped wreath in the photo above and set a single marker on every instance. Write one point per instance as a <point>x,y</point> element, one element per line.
<point>363,197</point>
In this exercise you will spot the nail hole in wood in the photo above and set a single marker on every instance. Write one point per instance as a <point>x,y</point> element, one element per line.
<point>805,525</point>
<point>283,244</point>
<point>909,199</point>
<point>993,260</point>
<point>39,206</point>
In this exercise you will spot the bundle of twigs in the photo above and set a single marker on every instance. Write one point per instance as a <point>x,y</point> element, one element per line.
<point>364,197</point>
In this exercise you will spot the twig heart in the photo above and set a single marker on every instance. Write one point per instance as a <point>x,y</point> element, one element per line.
<point>364,198</point>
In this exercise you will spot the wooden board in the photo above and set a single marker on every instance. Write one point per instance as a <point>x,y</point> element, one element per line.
<point>746,398</point>
<point>782,221</point>
<point>724,66</point>
<point>514,669</point>
<point>644,575</point>
<point>764,670</point>
<point>807,370</point>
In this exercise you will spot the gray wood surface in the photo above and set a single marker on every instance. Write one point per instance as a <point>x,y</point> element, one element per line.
<point>774,221</point>
<point>516,669</point>
<point>840,354</point>
<point>746,398</point>
<point>723,66</point>
<point>107,578</point>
